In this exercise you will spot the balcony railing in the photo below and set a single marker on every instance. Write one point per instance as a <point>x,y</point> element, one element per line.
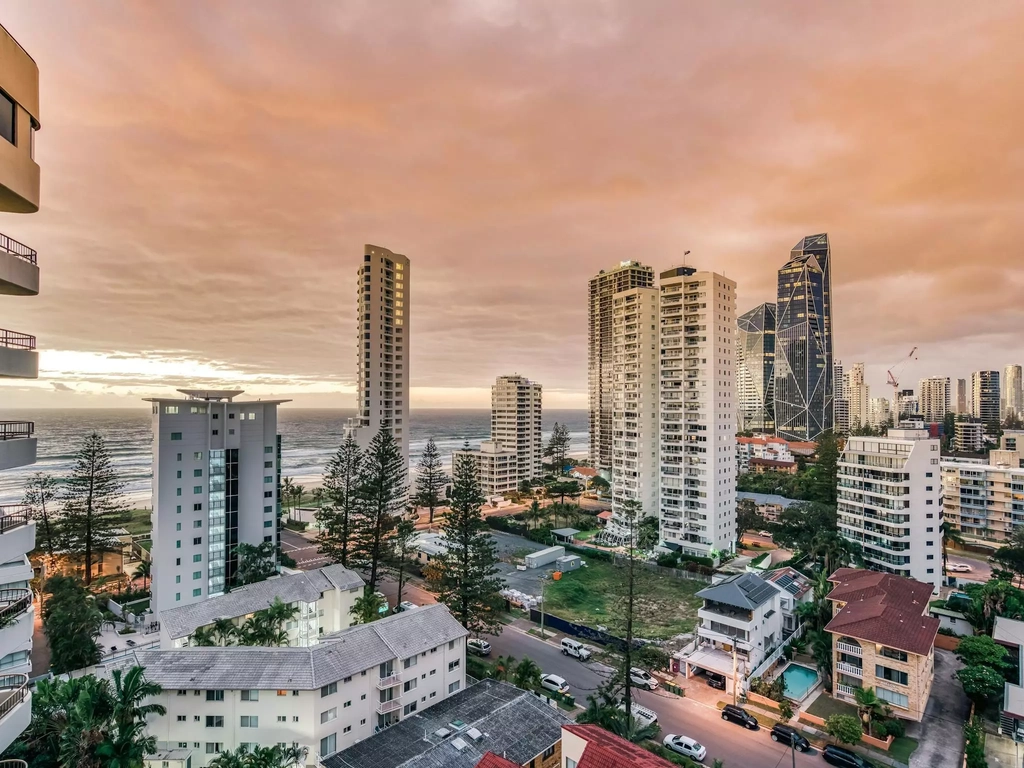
<point>849,669</point>
<point>12,763</point>
<point>389,681</point>
<point>12,430</point>
<point>388,706</point>
<point>13,689</point>
<point>854,650</point>
<point>13,516</point>
<point>15,340</point>
<point>846,690</point>
<point>13,603</point>
<point>13,247</point>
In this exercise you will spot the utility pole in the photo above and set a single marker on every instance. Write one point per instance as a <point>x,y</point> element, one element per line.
<point>543,581</point>
<point>734,692</point>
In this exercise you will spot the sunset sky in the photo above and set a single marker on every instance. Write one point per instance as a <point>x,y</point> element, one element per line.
<point>211,171</point>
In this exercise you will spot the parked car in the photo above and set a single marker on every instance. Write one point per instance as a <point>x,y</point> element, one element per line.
<point>740,716</point>
<point>478,646</point>
<point>684,745</point>
<point>643,679</point>
<point>785,734</point>
<point>766,534</point>
<point>405,605</point>
<point>575,649</point>
<point>643,715</point>
<point>554,683</point>
<point>716,680</point>
<point>844,758</point>
<point>959,568</point>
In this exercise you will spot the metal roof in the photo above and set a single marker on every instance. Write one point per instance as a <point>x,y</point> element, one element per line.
<point>743,591</point>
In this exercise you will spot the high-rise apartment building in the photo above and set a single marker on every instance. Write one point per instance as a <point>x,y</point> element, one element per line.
<point>879,412</point>
<point>840,399</point>
<point>859,395</point>
<point>1012,397</point>
<point>603,286</point>
<point>698,422</point>
<point>382,320</point>
<point>985,396</point>
<point>216,484</point>
<point>19,276</point>
<point>934,398</point>
<point>890,501</point>
<point>803,342</point>
<point>961,398</point>
<point>516,422</point>
<point>907,404</point>
<point>755,369</point>
<point>634,406</point>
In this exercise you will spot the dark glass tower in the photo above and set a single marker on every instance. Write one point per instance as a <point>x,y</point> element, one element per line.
<point>755,369</point>
<point>803,342</point>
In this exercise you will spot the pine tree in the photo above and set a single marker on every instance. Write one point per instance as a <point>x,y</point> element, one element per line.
<point>558,446</point>
<point>94,504</point>
<point>405,532</point>
<point>465,577</point>
<point>41,495</point>
<point>336,513</point>
<point>431,479</point>
<point>826,475</point>
<point>381,498</point>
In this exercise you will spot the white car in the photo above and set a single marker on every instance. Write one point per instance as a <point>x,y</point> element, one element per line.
<point>641,714</point>
<point>478,646</point>
<point>642,679</point>
<point>555,683</point>
<point>405,605</point>
<point>766,534</point>
<point>959,568</point>
<point>684,745</point>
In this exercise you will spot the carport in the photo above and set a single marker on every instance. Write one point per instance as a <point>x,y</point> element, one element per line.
<point>564,535</point>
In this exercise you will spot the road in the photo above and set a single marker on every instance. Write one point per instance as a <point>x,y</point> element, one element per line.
<point>982,571</point>
<point>303,550</point>
<point>736,747</point>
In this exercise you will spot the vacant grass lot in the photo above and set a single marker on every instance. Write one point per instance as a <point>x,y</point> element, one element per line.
<point>141,522</point>
<point>666,606</point>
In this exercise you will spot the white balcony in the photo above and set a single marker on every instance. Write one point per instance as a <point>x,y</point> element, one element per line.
<point>849,669</point>
<point>17,533</point>
<point>17,444</point>
<point>390,681</point>
<point>853,650</point>
<point>19,273</point>
<point>844,690</point>
<point>16,618</point>
<point>15,708</point>
<point>384,707</point>
<point>18,356</point>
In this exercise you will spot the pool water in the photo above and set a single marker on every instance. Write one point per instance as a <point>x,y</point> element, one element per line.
<point>799,680</point>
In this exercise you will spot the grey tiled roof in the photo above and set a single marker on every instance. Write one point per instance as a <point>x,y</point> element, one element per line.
<point>743,591</point>
<point>303,587</point>
<point>510,721</point>
<point>337,656</point>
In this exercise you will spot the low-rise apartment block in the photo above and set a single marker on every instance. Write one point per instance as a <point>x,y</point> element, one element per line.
<point>770,448</point>
<point>882,638</point>
<point>969,436</point>
<point>496,467</point>
<point>769,505</point>
<point>323,697</point>
<point>984,501</point>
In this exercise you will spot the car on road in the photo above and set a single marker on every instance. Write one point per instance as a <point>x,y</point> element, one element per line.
<point>684,745</point>
<point>575,649</point>
<point>766,534</point>
<point>643,679</point>
<point>478,646</point>
<point>844,758</point>
<point>405,605</point>
<point>643,715</point>
<point>740,716</point>
<point>786,734</point>
<point>959,568</point>
<point>716,680</point>
<point>554,683</point>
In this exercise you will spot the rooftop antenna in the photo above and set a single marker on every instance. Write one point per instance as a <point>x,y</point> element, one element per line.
<point>687,253</point>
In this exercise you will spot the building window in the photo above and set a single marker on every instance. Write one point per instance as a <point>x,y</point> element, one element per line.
<point>897,699</point>
<point>548,752</point>
<point>182,718</point>
<point>268,449</point>
<point>453,687</point>
<point>197,558</point>
<point>198,507</point>
<point>197,489</point>
<point>177,597</point>
<point>197,473</point>
<point>453,665</point>
<point>250,721</point>
<point>213,747</point>
<point>197,592</point>
<point>327,690</point>
<point>410,685</point>
<point>268,478</point>
<point>175,435</point>
<point>197,456</point>
<point>892,675</point>
<point>172,409</point>
<point>214,721</point>
<point>347,704</point>
<point>179,475</point>
<point>282,718</point>
<point>268,523</point>
<point>329,744</point>
<point>327,716</point>
<point>408,709</point>
<point>410,662</point>
<point>250,695</point>
<point>197,541</point>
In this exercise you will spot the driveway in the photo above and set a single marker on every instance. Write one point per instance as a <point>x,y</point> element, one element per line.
<point>940,735</point>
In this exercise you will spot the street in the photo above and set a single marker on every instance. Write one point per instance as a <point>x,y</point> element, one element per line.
<point>302,549</point>
<point>982,570</point>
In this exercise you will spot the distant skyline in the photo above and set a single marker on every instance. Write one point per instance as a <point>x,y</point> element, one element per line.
<point>210,176</point>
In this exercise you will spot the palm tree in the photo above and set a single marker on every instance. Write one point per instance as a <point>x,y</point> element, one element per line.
<point>131,689</point>
<point>527,674</point>
<point>145,570</point>
<point>950,535</point>
<point>287,484</point>
<point>126,747</point>
<point>236,759</point>
<point>504,666</point>
<point>225,630</point>
<point>202,638</point>
<point>297,492</point>
<point>868,705</point>
<point>534,513</point>
<point>274,757</point>
<point>629,728</point>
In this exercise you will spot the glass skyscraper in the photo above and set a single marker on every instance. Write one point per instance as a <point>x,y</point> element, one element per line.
<point>755,369</point>
<point>803,342</point>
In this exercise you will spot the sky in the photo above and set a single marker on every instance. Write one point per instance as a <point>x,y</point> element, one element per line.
<point>212,170</point>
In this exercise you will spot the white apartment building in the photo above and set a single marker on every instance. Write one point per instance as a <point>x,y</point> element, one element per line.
<point>859,395</point>
<point>324,697</point>
<point>934,398</point>
<point>382,320</point>
<point>698,421</point>
<point>634,406</point>
<point>516,422</point>
<point>985,500</point>
<point>841,399</point>
<point>1012,395</point>
<point>324,599</point>
<point>497,467</point>
<point>216,478</point>
<point>961,398</point>
<point>890,501</point>
<point>19,276</point>
<point>908,405</point>
<point>770,448</point>
<point>969,436</point>
<point>879,412</point>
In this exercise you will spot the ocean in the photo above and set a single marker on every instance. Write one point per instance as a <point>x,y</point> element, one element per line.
<point>308,438</point>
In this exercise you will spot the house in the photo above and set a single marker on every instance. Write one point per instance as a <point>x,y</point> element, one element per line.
<point>323,697</point>
<point>740,623</point>
<point>427,546</point>
<point>760,466</point>
<point>586,474</point>
<point>324,599</point>
<point>769,505</point>
<point>794,589</point>
<point>590,746</point>
<point>882,638</point>
<point>1010,633</point>
<point>487,717</point>
<point>168,758</point>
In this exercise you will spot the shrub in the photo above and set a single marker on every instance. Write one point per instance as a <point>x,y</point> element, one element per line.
<point>670,560</point>
<point>785,709</point>
<point>975,751</point>
<point>846,729</point>
<point>890,727</point>
<point>668,754</point>
<point>947,632</point>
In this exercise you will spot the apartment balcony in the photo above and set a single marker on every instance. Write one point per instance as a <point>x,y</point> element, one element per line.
<point>17,444</point>
<point>853,650</point>
<point>389,681</point>
<point>15,708</point>
<point>16,619</point>
<point>849,669</point>
<point>18,356</point>
<point>19,272</point>
<point>844,690</point>
<point>383,707</point>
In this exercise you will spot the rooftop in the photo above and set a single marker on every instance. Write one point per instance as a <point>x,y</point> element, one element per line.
<point>790,579</point>
<point>211,395</point>
<point>489,716</point>
<point>883,608</point>
<point>771,462</point>
<point>765,498</point>
<point>306,587</point>
<point>606,750</point>
<point>745,591</point>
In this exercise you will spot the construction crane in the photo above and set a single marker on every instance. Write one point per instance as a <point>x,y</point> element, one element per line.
<point>893,381</point>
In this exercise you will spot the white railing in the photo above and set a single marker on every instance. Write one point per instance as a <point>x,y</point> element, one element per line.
<point>849,669</point>
<point>854,650</point>
<point>765,665</point>
<point>388,706</point>
<point>846,690</point>
<point>389,681</point>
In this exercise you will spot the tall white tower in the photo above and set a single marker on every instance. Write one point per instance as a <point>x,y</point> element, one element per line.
<point>516,422</point>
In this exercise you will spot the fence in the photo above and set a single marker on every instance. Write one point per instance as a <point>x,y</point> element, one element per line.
<point>767,664</point>
<point>580,630</point>
<point>22,251</point>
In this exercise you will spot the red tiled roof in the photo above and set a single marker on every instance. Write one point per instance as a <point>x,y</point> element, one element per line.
<point>606,515</point>
<point>491,760</point>
<point>606,750</point>
<point>883,608</point>
<point>585,471</point>
<point>772,462</point>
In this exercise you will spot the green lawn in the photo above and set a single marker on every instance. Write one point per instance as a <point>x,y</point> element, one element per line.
<point>141,522</point>
<point>902,748</point>
<point>825,706</point>
<point>667,606</point>
<point>147,545</point>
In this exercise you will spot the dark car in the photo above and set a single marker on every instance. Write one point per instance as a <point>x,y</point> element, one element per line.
<point>844,758</point>
<point>740,716</point>
<point>789,736</point>
<point>716,680</point>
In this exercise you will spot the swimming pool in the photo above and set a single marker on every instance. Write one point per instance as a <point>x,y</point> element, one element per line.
<point>799,680</point>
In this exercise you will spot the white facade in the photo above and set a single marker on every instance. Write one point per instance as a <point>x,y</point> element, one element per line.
<point>698,436</point>
<point>985,395</point>
<point>841,399</point>
<point>934,398</point>
<point>890,501</point>
<point>516,423</point>
<point>969,436</point>
<point>496,467</point>
<point>1013,399</point>
<point>984,500</point>
<point>216,472</point>
<point>879,412</point>
<point>771,448</point>
<point>859,395</point>
<point>634,406</point>
<point>382,317</point>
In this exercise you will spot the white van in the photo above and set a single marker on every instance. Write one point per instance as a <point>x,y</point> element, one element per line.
<point>575,649</point>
